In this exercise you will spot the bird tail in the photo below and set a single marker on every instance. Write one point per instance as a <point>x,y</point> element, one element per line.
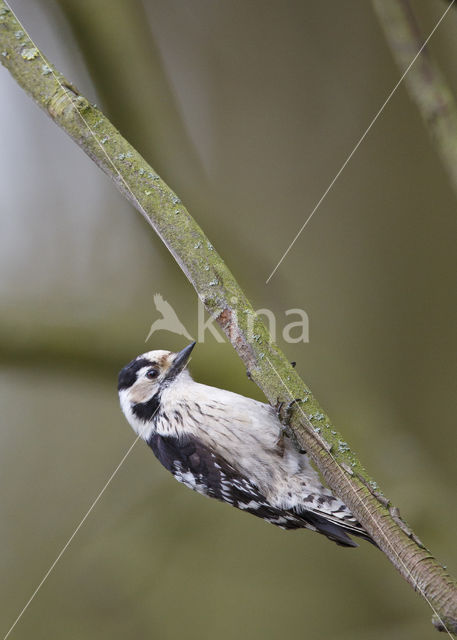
<point>336,530</point>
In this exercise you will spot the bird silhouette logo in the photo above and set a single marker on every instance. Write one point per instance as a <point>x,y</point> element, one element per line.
<point>169,320</point>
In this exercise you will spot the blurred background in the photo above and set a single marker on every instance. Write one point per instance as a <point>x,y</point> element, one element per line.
<point>247,110</point>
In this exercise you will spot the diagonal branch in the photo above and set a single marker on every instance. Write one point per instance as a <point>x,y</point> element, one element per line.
<point>223,298</point>
<point>425,83</point>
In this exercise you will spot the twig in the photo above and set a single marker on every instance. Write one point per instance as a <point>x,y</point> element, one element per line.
<point>426,84</point>
<point>224,299</point>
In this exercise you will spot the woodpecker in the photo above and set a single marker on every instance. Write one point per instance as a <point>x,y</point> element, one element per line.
<point>229,447</point>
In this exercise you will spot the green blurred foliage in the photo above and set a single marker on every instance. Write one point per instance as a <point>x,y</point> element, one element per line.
<point>247,109</point>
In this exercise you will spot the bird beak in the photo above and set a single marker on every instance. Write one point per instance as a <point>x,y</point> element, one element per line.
<point>180,361</point>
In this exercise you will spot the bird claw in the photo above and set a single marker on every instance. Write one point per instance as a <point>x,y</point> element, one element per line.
<point>284,411</point>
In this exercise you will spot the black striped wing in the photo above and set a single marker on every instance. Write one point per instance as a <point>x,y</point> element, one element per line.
<point>200,469</point>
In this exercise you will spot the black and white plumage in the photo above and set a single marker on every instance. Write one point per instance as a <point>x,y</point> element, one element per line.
<point>228,447</point>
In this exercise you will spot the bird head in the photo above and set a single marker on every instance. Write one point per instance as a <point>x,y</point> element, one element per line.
<point>144,379</point>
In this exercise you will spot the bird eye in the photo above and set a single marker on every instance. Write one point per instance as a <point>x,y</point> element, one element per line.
<point>151,374</point>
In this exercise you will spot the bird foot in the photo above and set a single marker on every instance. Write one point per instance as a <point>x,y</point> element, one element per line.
<point>284,410</point>
<point>284,413</point>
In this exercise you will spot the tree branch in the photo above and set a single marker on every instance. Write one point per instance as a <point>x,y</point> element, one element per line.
<point>223,298</point>
<point>425,83</point>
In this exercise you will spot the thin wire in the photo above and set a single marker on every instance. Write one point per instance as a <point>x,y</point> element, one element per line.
<point>341,470</point>
<point>346,162</point>
<point>67,544</point>
<point>88,512</point>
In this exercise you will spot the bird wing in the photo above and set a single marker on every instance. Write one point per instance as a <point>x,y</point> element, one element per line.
<point>195,465</point>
